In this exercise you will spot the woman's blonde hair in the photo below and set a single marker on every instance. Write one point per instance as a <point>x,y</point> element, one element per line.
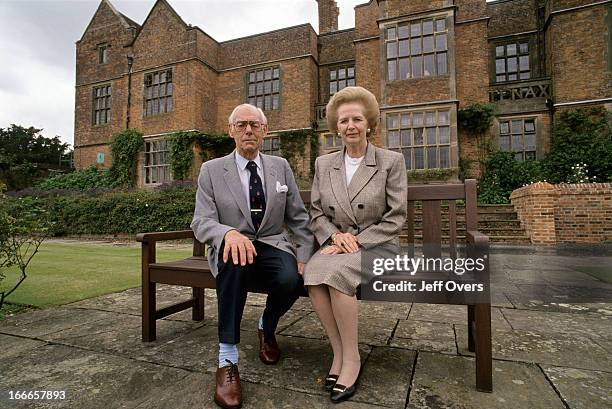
<point>353,94</point>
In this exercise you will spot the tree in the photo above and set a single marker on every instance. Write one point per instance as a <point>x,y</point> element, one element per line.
<point>25,155</point>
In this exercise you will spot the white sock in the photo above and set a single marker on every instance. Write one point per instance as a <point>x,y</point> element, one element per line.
<point>227,352</point>
<point>261,322</point>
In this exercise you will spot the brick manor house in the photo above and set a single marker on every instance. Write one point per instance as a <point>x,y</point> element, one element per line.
<point>424,60</point>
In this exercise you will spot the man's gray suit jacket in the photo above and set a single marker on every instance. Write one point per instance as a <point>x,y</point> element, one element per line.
<point>221,206</point>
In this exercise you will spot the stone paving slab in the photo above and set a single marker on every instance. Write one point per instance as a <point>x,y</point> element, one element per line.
<point>454,314</point>
<point>13,346</point>
<point>90,379</point>
<point>571,350</point>
<point>425,336</point>
<point>119,334</point>
<point>581,389</point>
<point>560,323</point>
<point>197,390</point>
<point>376,332</point>
<point>444,381</point>
<point>42,322</point>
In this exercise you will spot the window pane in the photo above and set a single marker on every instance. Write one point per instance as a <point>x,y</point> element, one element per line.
<point>419,160</point>
<point>517,142</point>
<point>392,50</point>
<point>404,68</point>
<point>441,63</point>
<point>529,126</point>
<point>341,84</point>
<point>268,87</point>
<point>259,88</point>
<point>440,25</point>
<point>500,66</point>
<point>504,127</point>
<point>252,101</point>
<point>405,134</point>
<point>267,103</point>
<point>403,48</point>
<point>391,33</point>
<point>518,156</point>
<point>500,78</point>
<point>351,72</point>
<point>415,46</point>
<point>524,48</point>
<point>443,117</point>
<point>441,42</point>
<point>525,75</point>
<point>417,67</point>
<point>431,136</point>
<point>276,73</point>
<point>530,155</point>
<point>427,27</point>
<point>511,49</point>
<point>252,76</point>
<point>530,142</point>
<point>341,73</point>
<point>329,141</point>
<point>350,82</point>
<point>512,77</point>
<point>429,67</point>
<point>405,121</point>
<point>432,160</point>
<point>430,118</point>
<point>392,121</point>
<point>428,44</point>
<point>499,51</point>
<point>333,87</point>
<point>394,139</point>
<point>403,31</point>
<point>391,69</point>
<point>524,62</point>
<point>418,136</point>
<point>517,127</point>
<point>445,157</point>
<point>275,100</point>
<point>415,29</point>
<point>512,64</point>
<point>417,119</point>
<point>504,143</point>
<point>407,157</point>
<point>268,74</point>
<point>444,132</point>
<point>259,75</point>
<point>275,85</point>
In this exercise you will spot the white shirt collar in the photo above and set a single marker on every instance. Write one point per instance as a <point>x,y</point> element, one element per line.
<point>242,162</point>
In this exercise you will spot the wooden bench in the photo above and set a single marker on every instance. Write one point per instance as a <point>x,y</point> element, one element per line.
<point>194,271</point>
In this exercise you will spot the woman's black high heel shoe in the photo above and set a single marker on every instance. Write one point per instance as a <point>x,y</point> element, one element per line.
<point>330,382</point>
<point>340,393</point>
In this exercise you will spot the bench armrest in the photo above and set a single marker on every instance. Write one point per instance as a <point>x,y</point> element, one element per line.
<point>164,236</point>
<point>477,239</point>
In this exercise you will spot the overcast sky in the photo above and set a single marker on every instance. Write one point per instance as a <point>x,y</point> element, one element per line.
<point>37,46</point>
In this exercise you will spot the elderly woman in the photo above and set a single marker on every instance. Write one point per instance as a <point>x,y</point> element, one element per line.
<point>358,202</point>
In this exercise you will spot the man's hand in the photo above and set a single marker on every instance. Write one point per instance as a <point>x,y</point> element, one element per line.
<point>333,249</point>
<point>301,268</point>
<point>240,247</point>
<point>346,242</point>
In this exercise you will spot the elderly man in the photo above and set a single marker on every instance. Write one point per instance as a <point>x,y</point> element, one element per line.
<point>243,202</point>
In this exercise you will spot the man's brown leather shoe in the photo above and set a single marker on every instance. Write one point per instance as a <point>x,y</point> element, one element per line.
<point>228,393</point>
<point>269,353</point>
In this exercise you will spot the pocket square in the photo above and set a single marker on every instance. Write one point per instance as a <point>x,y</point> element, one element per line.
<point>281,188</point>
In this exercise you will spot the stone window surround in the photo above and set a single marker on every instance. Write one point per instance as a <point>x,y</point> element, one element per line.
<point>271,145</point>
<point>445,106</point>
<point>169,95</point>
<point>537,125</point>
<point>448,15</point>
<point>102,49</point>
<point>106,99</point>
<point>251,97</point>
<point>336,69</point>
<point>155,160</point>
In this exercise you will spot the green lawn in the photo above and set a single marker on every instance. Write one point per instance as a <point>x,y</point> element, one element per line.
<point>66,272</point>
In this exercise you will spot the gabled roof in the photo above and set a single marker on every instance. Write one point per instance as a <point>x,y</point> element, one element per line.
<point>165,3</point>
<point>123,19</point>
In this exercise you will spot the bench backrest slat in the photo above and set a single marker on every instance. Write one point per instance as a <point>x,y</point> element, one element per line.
<point>432,228</point>
<point>452,228</point>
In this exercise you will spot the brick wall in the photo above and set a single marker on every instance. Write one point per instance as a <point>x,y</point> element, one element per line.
<point>565,213</point>
<point>509,17</point>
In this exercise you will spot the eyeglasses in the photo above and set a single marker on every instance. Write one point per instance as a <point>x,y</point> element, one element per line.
<point>242,125</point>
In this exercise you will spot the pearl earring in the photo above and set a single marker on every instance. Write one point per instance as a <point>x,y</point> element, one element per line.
<point>368,130</point>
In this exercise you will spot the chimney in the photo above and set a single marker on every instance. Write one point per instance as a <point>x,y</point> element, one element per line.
<point>328,16</point>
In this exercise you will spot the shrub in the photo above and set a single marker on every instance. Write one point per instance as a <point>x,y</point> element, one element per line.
<point>125,147</point>
<point>503,174</point>
<point>91,178</point>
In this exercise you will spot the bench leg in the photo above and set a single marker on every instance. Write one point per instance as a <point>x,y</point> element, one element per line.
<point>148,312</point>
<point>484,363</point>
<point>470,325</point>
<point>197,312</point>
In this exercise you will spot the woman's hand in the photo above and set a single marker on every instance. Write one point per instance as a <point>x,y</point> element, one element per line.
<point>333,249</point>
<point>346,242</point>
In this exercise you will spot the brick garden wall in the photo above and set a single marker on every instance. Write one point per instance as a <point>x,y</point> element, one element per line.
<point>565,213</point>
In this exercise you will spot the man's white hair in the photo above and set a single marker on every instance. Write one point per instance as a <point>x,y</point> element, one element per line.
<point>262,117</point>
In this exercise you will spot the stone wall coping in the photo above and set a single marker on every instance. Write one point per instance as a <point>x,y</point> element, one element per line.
<point>545,188</point>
